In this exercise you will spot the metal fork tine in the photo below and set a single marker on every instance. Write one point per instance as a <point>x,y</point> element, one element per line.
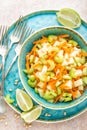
<point>2,34</point>
<point>24,25</point>
<point>18,47</point>
<point>17,25</point>
<point>27,33</point>
<point>23,35</point>
<point>20,30</point>
<point>31,31</point>
<point>6,37</point>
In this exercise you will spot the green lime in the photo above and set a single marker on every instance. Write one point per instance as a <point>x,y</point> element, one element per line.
<point>31,115</point>
<point>69,17</point>
<point>23,100</point>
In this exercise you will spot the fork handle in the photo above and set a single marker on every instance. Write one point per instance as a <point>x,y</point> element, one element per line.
<point>2,101</point>
<point>13,61</point>
<point>10,46</point>
<point>3,76</point>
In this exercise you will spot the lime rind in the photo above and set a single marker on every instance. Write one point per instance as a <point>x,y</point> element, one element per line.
<point>23,100</point>
<point>69,17</point>
<point>32,115</point>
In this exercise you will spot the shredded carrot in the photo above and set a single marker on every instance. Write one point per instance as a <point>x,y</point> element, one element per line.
<point>44,86</point>
<point>64,36</point>
<point>77,78</point>
<point>51,56</point>
<point>52,85</point>
<point>59,70</point>
<point>40,41</point>
<point>80,67</point>
<point>83,53</point>
<point>74,93</point>
<point>81,91</point>
<point>57,99</point>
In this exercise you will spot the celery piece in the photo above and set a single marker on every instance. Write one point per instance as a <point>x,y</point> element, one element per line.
<point>42,78</point>
<point>31,58</point>
<point>31,70</point>
<point>84,79</point>
<point>51,74</point>
<point>83,60</point>
<point>32,77</point>
<point>38,46</point>
<point>72,73</point>
<point>45,56</point>
<point>61,99</point>
<point>66,77</point>
<point>9,99</point>
<point>53,93</point>
<point>58,59</point>
<point>67,95</point>
<point>36,90</point>
<point>58,91</point>
<point>67,99</point>
<point>62,40</point>
<point>74,43</point>
<point>51,100</point>
<point>48,96</point>
<point>51,65</point>
<point>43,60</point>
<point>85,71</point>
<point>58,83</point>
<point>68,68</point>
<point>25,71</point>
<point>32,83</point>
<point>41,92</point>
<point>52,38</point>
<point>77,60</point>
<point>39,67</point>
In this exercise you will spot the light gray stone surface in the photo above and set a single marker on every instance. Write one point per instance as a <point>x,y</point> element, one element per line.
<point>10,10</point>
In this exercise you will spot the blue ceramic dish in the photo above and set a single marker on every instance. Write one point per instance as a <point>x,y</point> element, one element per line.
<point>27,47</point>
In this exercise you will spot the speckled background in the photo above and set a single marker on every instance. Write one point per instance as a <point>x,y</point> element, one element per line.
<point>10,10</point>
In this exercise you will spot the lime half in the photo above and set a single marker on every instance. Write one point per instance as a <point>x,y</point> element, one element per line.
<point>31,115</point>
<point>23,100</point>
<point>69,17</point>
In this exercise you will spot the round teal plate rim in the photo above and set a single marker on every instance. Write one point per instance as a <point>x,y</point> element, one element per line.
<point>49,120</point>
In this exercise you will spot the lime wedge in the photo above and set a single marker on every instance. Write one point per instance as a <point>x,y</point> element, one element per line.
<point>31,115</point>
<point>23,100</point>
<point>69,17</point>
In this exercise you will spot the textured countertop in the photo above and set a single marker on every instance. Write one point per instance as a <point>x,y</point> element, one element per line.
<point>10,10</point>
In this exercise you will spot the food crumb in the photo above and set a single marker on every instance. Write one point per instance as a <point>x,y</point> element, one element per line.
<point>47,114</point>
<point>10,90</point>
<point>27,125</point>
<point>6,123</point>
<point>1,120</point>
<point>64,113</point>
<point>17,116</point>
<point>16,82</point>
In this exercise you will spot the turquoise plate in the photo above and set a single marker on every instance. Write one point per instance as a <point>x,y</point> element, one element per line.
<point>37,21</point>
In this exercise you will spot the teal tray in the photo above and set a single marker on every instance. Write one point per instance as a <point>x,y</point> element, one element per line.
<point>37,21</point>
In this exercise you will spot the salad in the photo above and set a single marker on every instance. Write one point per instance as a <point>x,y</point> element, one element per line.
<point>56,68</point>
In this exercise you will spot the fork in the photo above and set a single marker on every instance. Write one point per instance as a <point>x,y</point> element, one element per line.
<point>3,53</point>
<point>26,32</point>
<point>16,34</point>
